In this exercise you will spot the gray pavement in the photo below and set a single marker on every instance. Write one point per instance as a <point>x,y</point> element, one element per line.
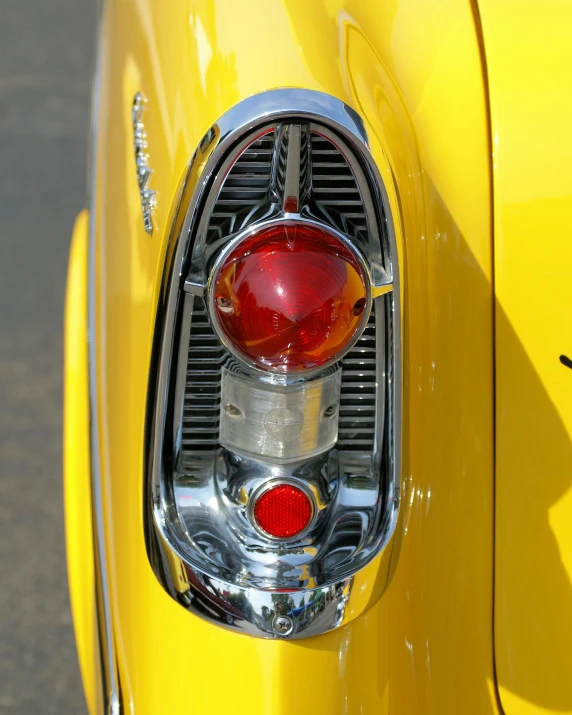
<point>46,58</point>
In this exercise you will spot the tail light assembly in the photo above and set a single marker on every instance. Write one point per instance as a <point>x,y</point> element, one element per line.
<point>274,403</point>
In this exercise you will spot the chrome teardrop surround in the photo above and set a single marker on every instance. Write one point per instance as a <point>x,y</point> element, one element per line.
<point>254,602</point>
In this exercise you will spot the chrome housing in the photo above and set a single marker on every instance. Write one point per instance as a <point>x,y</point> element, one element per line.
<point>272,157</point>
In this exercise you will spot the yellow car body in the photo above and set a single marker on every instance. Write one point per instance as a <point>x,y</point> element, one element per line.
<point>468,111</point>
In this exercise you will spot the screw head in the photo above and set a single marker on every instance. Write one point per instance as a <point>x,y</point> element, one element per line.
<point>233,411</point>
<point>283,625</point>
<point>224,305</point>
<point>330,411</point>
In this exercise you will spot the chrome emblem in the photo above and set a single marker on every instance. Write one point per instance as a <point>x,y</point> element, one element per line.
<point>148,196</point>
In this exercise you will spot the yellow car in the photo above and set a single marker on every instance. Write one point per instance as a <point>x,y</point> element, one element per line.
<point>318,405</point>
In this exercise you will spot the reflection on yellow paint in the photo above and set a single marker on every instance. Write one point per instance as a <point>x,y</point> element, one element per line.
<point>426,646</point>
<point>531,110</point>
<point>559,515</point>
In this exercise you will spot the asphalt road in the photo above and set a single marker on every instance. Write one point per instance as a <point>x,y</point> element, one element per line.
<point>46,59</point>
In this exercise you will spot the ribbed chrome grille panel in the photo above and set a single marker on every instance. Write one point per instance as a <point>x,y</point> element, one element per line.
<point>244,192</point>
<point>356,429</point>
<point>334,189</point>
<point>201,406</point>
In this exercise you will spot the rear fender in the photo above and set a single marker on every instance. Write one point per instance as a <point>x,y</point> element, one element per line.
<point>77,471</point>
<point>413,73</point>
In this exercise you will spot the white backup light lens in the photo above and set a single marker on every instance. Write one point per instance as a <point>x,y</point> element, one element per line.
<point>283,423</point>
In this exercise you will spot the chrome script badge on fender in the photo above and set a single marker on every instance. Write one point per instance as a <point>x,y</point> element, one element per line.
<point>144,172</point>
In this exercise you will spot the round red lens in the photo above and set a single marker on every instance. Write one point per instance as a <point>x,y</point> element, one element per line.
<point>291,297</point>
<point>283,511</point>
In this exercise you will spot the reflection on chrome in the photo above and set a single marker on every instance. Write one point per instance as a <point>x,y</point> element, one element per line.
<point>268,614</point>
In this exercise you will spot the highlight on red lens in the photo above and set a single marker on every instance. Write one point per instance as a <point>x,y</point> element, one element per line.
<point>283,511</point>
<point>290,297</point>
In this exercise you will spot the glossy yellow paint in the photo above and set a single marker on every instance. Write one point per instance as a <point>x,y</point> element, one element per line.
<point>77,490</point>
<point>531,110</point>
<point>412,70</point>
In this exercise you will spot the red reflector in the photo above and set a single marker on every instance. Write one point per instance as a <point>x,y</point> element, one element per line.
<point>283,511</point>
<point>291,297</point>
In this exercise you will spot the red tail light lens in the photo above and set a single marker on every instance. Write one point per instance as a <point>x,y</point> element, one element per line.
<point>283,511</point>
<point>291,297</point>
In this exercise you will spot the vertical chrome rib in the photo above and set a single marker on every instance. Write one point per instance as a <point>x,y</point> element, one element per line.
<point>291,198</point>
<point>112,701</point>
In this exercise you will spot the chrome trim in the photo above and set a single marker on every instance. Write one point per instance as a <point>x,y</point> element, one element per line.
<point>292,181</point>
<point>227,545</point>
<point>110,677</point>
<point>147,196</point>
<point>256,612</point>
<point>186,581</point>
<point>194,288</point>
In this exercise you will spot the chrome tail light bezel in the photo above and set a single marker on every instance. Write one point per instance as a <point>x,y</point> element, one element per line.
<point>198,588</point>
